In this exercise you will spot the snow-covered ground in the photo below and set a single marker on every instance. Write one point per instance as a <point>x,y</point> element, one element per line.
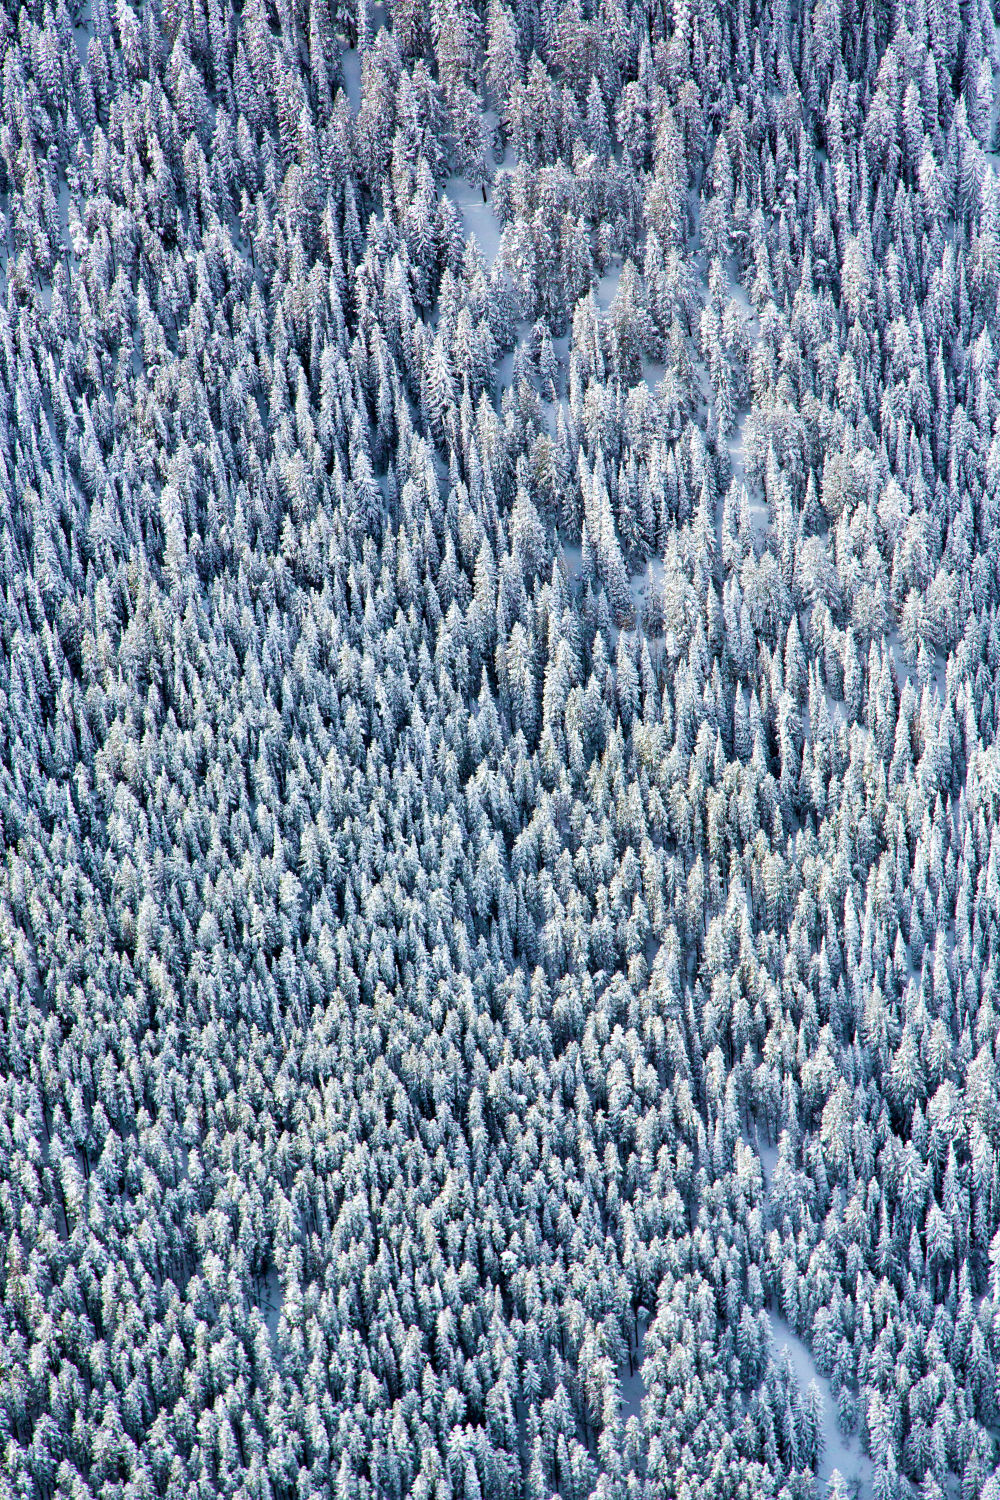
<point>477,217</point>
<point>644,583</point>
<point>350,62</point>
<point>633,1385</point>
<point>477,212</point>
<point>573,558</point>
<point>505,372</point>
<point>351,58</point>
<point>756,503</point>
<point>843,1454</point>
<point>82,29</point>
<point>607,285</point>
<point>271,1306</point>
<point>838,1452</point>
<point>768,1161</point>
<point>906,673</point>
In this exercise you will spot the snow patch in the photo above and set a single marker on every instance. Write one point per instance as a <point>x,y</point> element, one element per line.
<point>271,1303</point>
<point>572,560</point>
<point>478,217</point>
<point>646,584</point>
<point>82,29</point>
<point>606,286</point>
<point>505,372</point>
<point>633,1385</point>
<point>768,1161</point>
<point>838,1452</point>
<point>350,64</point>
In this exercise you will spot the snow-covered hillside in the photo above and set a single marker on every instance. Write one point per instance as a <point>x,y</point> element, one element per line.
<point>499,660</point>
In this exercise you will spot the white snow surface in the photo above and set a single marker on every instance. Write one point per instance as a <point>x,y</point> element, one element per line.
<point>573,558</point>
<point>633,1386</point>
<point>271,1305</point>
<point>768,1161</point>
<point>350,63</point>
<point>82,29</point>
<point>905,673</point>
<point>838,1452</point>
<point>607,285</point>
<point>643,583</point>
<point>478,217</point>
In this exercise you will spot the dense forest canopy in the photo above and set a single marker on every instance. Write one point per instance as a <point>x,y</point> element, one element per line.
<point>500,896</point>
